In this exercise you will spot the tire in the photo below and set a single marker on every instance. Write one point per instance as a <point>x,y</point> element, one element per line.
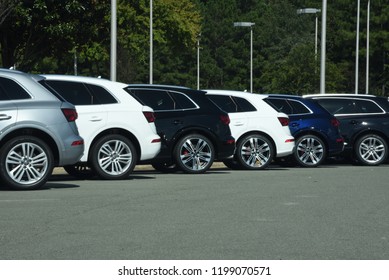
<point>80,171</point>
<point>165,167</point>
<point>310,151</point>
<point>194,154</point>
<point>371,149</point>
<point>26,163</point>
<point>254,152</point>
<point>113,157</point>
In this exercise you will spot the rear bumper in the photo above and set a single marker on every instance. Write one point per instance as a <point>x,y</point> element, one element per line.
<point>337,147</point>
<point>285,147</point>
<point>73,151</point>
<point>226,148</point>
<point>151,149</point>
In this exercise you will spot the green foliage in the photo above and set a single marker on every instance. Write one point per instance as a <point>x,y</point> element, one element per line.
<point>52,35</point>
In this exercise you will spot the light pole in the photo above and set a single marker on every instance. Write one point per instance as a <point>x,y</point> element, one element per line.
<point>198,61</point>
<point>323,48</point>
<point>367,46</point>
<point>357,49</point>
<point>312,11</point>
<point>151,41</point>
<point>113,40</point>
<point>249,24</point>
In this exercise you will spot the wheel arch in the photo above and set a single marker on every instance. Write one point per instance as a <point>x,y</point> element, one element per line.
<point>118,131</point>
<point>39,134</point>
<point>261,133</point>
<point>366,132</point>
<point>196,130</point>
<point>315,133</point>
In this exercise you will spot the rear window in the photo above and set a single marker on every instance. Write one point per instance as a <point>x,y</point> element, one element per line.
<point>157,99</point>
<point>10,90</point>
<point>79,93</point>
<point>288,106</point>
<point>281,105</point>
<point>231,104</point>
<point>299,108</point>
<point>162,100</point>
<point>183,101</point>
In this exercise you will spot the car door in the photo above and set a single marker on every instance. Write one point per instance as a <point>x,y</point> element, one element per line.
<point>8,114</point>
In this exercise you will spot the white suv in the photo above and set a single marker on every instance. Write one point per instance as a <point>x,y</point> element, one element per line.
<point>117,129</point>
<point>260,131</point>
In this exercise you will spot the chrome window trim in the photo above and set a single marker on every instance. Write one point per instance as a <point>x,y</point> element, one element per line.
<point>383,112</point>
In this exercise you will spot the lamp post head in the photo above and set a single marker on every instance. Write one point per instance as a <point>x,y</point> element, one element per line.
<point>243,24</point>
<point>308,11</point>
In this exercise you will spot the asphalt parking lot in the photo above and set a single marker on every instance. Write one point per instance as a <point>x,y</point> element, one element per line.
<point>336,211</point>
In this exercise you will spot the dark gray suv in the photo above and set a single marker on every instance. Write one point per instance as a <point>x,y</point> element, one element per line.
<point>37,132</point>
<point>364,124</point>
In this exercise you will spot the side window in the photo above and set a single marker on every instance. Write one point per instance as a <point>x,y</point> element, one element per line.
<point>226,103</point>
<point>280,105</point>
<point>298,107</point>
<point>338,105</point>
<point>73,92</point>
<point>183,101</point>
<point>101,95</point>
<point>367,107</point>
<point>10,90</point>
<point>3,95</point>
<point>158,100</point>
<point>244,105</point>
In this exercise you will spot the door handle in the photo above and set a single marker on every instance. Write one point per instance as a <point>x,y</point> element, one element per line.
<point>176,122</point>
<point>354,122</point>
<point>95,119</point>
<point>4,117</point>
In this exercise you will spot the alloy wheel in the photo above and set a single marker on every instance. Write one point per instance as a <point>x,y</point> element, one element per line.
<point>194,154</point>
<point>310,151</point>
<point>371,150</point>
<point>255,152</point>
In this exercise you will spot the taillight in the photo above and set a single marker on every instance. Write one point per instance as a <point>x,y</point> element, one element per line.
<point>284,121</point>
<point>78,143</point>
<point>70,114</point>
<point>335,122</point>
<point>150,117</point>
<point>225,119</point>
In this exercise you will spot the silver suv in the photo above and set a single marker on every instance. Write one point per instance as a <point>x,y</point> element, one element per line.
<point>37,132</point>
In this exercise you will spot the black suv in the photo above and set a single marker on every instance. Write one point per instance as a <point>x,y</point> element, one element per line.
<point>194,131</point>
<point>364,124</point>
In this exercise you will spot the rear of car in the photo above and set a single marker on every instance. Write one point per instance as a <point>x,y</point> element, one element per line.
<point>261,132</point>
<point>37,131</point>
<point>194,131</point>
<point>316,131</point>
<point>364,124</point>
<point>119,132</point>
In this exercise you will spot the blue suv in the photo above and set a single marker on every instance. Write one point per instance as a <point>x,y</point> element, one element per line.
<point>315,130</point>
